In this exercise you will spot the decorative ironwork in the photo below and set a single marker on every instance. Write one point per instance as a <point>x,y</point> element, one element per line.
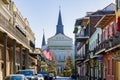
<point>101,46</point>
<point>113,41</point>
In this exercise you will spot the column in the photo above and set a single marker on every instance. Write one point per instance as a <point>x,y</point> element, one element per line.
<point>5,50</point>
<point>38,63</point>
<point>11,60</point>
<point>26,58</point>
<point>14,55</point>
<point>21,58</point>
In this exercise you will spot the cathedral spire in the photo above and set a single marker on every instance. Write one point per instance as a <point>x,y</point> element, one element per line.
<point>59,27</point>
<point>43,40</point>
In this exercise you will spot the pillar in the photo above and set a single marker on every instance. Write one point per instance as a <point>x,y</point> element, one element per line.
<point>14,55</point>
<point>38,63</point>
<point>26,59</point>
<point>5,51</point>
<point>21,57</point>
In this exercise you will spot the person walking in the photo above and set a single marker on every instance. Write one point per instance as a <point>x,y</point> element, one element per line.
<point>78,77</point>
<point>73,76</point>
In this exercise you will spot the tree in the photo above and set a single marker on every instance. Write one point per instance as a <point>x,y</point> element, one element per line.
<point>68,63</point>
<point>52,65</point>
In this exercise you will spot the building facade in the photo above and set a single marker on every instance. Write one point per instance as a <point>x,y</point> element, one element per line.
<point>61,46</point>
<point>99,62</point>
<point>16,40</point>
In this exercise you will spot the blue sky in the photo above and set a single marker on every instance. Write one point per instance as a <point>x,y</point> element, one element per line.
<point>43,14</point>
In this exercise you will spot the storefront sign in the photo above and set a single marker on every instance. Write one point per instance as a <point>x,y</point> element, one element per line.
<point>99,59</point>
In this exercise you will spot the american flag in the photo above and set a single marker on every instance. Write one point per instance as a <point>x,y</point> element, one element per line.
<point>47,54</point>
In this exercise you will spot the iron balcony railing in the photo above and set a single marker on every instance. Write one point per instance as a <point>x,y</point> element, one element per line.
<point>100,47</point>
<point>5,24</point>
<point>109,44</point>
<point>81,38</point>
<point>113,41</point>
<point>79,58</point>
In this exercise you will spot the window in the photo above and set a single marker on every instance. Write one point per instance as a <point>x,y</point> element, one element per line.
<point>108,66</point>
<point>113,30</point>
<point>104,37</point>
<point>108,34</point>
<point>59,57</point>
<point>98,38</point>
<point>118,4</point>
<point>113,67</point>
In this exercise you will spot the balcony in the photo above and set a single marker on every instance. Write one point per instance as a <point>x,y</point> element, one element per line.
<point>12,31</point>
<point>81,38</point>
<point>100,48</point>
<point>113,42</point>
<point>79,60</point>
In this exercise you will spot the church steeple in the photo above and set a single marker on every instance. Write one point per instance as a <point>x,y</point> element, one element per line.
<point>59,27</point>
<point>43,40</point>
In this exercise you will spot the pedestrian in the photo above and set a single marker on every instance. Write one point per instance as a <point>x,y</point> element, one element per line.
<point>78,76</point>
<point>73,76</point>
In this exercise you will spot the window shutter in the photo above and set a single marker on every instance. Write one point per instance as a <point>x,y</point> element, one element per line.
<point>118,24</point>
<point>118,4</point>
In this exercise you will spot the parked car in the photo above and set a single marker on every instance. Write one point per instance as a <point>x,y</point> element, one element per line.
<point>45,74</point>
<point>16,77</point>
<point>40,77</point>
<point>29,73</point>
<point>51,76</point>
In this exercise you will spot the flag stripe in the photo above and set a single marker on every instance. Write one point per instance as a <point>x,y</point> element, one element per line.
<point>47,54</point>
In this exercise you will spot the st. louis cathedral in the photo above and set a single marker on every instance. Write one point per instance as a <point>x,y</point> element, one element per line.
<point>61,46</point>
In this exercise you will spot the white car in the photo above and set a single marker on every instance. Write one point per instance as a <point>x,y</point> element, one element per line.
<point>40,77</point>
<point>16,77</point>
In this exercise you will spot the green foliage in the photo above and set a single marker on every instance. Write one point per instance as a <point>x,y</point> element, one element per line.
<point>52,71</point>
<point>67,73</point>
<point>75,30</point>
<point>68,63</point>
<point>43,63</point>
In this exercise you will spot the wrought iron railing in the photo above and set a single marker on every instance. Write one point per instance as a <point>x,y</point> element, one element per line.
<point>113,41</point>
<point>79,58</point>
<point>100,47</point>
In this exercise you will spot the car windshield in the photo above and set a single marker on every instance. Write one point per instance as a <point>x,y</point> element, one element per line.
<point>27,73</point>
<point>16,78</point>
<point>40,75</point>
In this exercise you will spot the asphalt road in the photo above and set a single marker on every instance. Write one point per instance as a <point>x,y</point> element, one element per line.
<point>63,78</point>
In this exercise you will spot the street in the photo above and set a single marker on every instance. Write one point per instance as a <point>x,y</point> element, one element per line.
<point>63,78</point>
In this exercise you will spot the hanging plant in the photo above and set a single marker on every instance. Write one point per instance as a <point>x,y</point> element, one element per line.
<point>75,30</point>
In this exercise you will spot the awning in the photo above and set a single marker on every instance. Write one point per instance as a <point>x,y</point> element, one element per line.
<point>105,20</point>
